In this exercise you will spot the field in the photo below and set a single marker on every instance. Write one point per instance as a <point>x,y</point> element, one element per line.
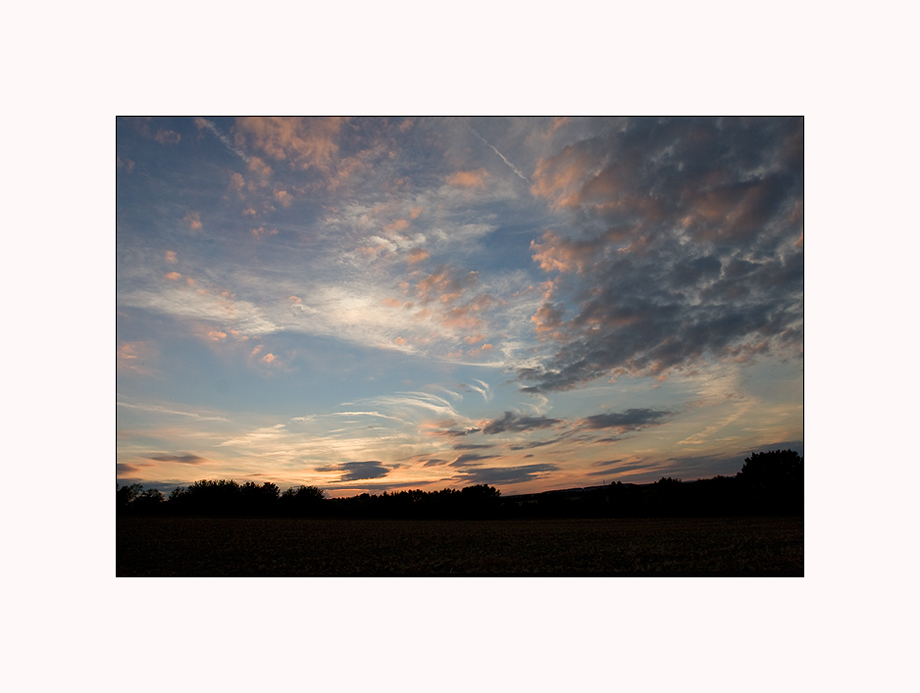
<point>280,547</point>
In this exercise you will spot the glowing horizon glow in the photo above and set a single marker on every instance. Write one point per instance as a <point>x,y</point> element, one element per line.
<point>371,304</point>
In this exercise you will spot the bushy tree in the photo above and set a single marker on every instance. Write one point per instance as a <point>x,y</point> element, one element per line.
<point>774,481</point>
<point>302,500</point>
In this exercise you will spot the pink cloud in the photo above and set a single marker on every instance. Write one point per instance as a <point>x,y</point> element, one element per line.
<point>284,197</point>
<point>303,142</point>
<point>170,256</point>
<point>262,231</point>
<point>468,179</point>
<point>418,255</point>
<point>193,219</point>
<point>396,226</point>
<point>167,137</point>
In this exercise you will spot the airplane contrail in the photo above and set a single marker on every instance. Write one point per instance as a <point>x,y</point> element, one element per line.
<point>520,175</point>
<point>223,138</point>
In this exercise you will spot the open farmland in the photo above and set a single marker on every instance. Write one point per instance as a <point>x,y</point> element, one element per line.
<point>280,547</point>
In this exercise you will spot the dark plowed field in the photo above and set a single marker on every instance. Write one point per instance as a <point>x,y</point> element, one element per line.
<point>275,547</point>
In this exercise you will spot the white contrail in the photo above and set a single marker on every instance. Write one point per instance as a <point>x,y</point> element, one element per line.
<point>223,138</point>
<point>513,168</point>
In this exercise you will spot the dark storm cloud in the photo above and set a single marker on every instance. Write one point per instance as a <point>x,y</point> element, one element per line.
<point>470,446</point>
<point>629,420</point>
<point>353,471</point>
<point>515,424</point>
<point>183,459</point>
<point>506,475</point>
<point>687,243</point>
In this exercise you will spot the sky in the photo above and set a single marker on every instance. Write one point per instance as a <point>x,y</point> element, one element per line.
<point>376,304</point>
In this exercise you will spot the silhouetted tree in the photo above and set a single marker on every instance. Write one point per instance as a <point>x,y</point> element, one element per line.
<point>302,500</point>
<point>134,499</point>
<point>774,481</point>
<point>125,495</point>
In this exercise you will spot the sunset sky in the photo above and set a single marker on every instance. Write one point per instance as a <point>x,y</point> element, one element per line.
<point>374,304</point>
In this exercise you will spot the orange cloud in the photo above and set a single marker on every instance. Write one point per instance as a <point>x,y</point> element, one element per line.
<point>418,255</point>
<point>295,299</point>
<point>268,358</point>
<point>413,214</point>
<point>445,284</point>
<point>133,356</point>
<point>547,318</point>
<point>400,341</point>
<point>559,178</point>
<point>284,197</point>
<point>193,219</point>
<point>392,303</point>
<point>468,179</point>
<point>474,339</point>
<point>217,336</point>
<point>396,226</point>
<point>304,142</point>
<point>237,182</point>
<point>259,167</point>
<point>126,164</point>
<point>170,256</point>
<point>173,276</point>
<point>262,231</point>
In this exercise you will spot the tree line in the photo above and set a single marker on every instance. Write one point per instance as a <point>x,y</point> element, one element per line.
<point>769,483</point>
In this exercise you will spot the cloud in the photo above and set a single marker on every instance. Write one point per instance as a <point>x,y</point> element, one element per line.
<point>353,471</point>
<point>167,137</point>
<point>135,357</point>
<point>506,475</point>
<point>417,256</point>
<point>468,179</point>
<point>303,142</point>
<point>181,459</point>
<point>470,458</point>
<point>629,420</point>
<point>193,219</point>
<point>631,467</point>
<point>684,246</point>
<point>515,423</point>
<point>483,387</point>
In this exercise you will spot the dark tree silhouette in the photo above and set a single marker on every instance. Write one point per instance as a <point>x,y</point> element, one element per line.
<point>302,500</point>
<point>134,499</point>
<point>774,481</point>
